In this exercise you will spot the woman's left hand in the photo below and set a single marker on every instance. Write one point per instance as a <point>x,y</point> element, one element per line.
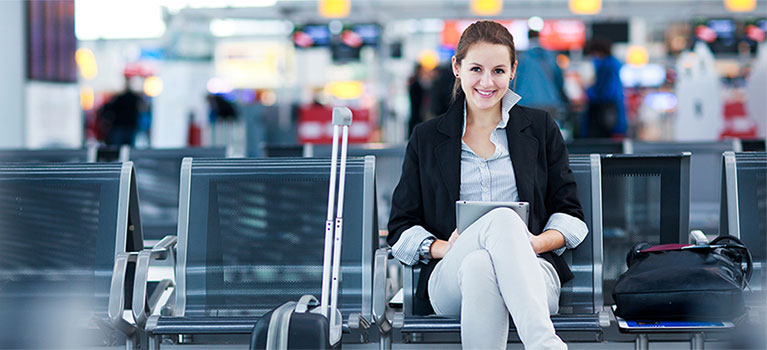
<point>535,243</point>
<point>546,241</point>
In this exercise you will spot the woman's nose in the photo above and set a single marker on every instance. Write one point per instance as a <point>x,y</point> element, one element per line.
<point>486,79</point>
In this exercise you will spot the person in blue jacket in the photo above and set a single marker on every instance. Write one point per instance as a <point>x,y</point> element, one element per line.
<point>605,115</point>
<point>539,79</point>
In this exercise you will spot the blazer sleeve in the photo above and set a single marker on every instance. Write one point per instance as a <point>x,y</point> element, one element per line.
<point>407,203</point>
<point>561,191</point>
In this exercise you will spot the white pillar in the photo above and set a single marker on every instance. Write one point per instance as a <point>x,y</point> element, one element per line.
<point>12,74</point>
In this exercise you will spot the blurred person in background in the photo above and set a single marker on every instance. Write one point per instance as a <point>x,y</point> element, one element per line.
<point>419,86</point>
<point>222,115</point>
<point>441,89</point>
<point>539,80</point>
<point>605,114</point>
<point>120,116</point>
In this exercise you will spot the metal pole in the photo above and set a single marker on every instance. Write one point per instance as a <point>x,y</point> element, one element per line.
<point>697,341</point>
<point>154,342</point>
<point>326,261</point>
<point>385,341</point>
<point>642,342</point>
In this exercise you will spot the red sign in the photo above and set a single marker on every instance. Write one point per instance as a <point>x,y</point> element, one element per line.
<point>452,31</point>
<point>315,125</point>
<point>563,35</point>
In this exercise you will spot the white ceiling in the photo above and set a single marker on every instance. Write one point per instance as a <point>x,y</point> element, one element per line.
<point>303,11</point>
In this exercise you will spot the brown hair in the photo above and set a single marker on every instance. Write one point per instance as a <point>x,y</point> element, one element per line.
<point>482,32</point>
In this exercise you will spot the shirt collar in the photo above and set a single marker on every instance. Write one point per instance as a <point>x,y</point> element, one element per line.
<point>508,101</point>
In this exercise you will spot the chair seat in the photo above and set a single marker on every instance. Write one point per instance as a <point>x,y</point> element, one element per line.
<point>573,322</point>
<point>168,325</point>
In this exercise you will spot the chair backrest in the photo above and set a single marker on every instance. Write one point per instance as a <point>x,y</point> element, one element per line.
<point>75,155</point>
<point>583,294</point>
<point>288,150</point>
<point>705,167</point>
<point>251,234</point>
<point>753,145</point>
<point>744,206</point>
<point>158,173</point>
<point>108,154</point>
<point>389,160</point>
<point>61,227</point>
<point>648,197</point>
<point>602,146</point>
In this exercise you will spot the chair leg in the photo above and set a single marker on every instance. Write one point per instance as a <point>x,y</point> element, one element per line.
<point>132,341</point>
<point>385,341</point>
<point>642,342</point>
<point>154,342</point>
<point>697,342</point>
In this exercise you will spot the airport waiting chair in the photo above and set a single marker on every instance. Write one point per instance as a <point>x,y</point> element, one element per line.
<point>388,159</point>
<point>286,151</point>
<point>705,167</point>
<point>581,316</point>
<point>69,238</point>
<point>388,166</point>
<point>63,155</point>
<point>108,154</point>
<point>601,146</point>
<point>648,198</point>
<point>753,145</point>
<point>251,237</point>
<point>158,172</point>
<point>744,211</point>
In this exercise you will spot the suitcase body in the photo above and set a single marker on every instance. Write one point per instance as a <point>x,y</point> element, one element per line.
<point>305,329</point>
<point>307,324</point>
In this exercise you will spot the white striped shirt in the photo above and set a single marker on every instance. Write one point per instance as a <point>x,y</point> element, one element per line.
<point>490,179</point>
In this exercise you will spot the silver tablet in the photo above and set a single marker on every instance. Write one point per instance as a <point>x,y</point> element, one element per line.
<point>466,212</point>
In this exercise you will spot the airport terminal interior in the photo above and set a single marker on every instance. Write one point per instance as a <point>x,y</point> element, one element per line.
<point>168,167</point>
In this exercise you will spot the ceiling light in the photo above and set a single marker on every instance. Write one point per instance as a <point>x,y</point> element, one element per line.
<point>585,7</point>
<point>486,7</point>
<point>535,23</point>
<point>153,86</point>
<point>637,56</point>
<point>86,61</point>
<point>334,8</point>
<point>740,5</point>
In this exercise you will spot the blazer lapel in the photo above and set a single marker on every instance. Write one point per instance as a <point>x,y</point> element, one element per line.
<point>523,149</point>
<point>448,152</point>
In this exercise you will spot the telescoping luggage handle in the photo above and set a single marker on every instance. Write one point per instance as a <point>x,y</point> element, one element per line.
<point>342,117</point>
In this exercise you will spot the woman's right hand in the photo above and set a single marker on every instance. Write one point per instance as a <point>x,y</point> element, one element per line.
<point>440,247</point>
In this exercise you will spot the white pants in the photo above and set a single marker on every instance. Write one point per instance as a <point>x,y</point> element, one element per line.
<point>492,271</point>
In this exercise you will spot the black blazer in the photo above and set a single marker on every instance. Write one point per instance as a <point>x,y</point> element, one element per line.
<point>431,176</point>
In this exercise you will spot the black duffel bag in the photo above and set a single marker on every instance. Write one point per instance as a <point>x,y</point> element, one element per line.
<point>684,282</point>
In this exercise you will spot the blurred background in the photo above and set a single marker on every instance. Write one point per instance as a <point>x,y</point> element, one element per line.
<point>257,73</point>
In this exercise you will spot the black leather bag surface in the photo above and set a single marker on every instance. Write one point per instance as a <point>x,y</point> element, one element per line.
<point>684,282</point>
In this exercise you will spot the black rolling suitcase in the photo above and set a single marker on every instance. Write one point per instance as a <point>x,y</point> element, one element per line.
<point>304,324</point>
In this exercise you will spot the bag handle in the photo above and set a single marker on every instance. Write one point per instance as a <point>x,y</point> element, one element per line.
<point>744,252</point>
<point>305,302</point>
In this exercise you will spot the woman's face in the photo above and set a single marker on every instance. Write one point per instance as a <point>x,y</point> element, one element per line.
<point>485,74</point>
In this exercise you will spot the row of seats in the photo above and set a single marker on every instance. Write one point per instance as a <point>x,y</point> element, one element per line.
<point>248,231</point>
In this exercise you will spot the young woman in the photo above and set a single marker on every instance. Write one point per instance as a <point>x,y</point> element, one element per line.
<point>488,148</point>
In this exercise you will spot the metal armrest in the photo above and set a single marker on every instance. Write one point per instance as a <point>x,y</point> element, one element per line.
<point>408,286</point>
<point>117,294</point>
<point>165,245</point>
<point>379,290</point>
<point>142,305</point>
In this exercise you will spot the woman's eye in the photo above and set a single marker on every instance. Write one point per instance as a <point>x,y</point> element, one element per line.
<point>475,69</point>
<point>499,71</point>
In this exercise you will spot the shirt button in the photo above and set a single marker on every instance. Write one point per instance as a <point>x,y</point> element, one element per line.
<point>484,189</point>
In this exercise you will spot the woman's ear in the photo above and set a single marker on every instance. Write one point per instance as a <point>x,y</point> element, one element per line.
<point>456,67</point>
<point>514,70</point>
